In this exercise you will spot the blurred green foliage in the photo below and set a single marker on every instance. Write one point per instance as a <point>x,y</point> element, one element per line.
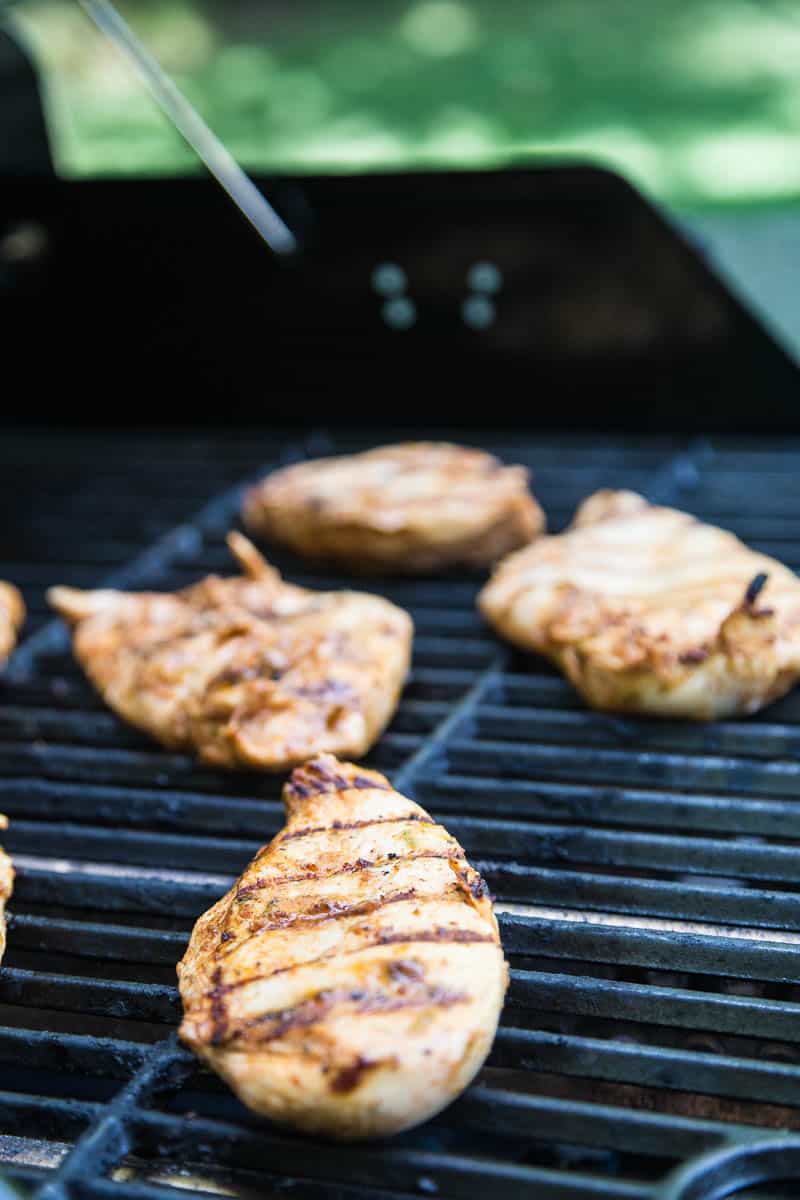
<point>698,101</point>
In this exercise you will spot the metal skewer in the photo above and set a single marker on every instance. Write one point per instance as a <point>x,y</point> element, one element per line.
<point>220,162</point>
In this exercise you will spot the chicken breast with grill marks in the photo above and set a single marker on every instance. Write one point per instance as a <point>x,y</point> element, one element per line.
<point>248,671</point>
<point>648,610</point>
<point>12,616</point>
<point>414,507</point>
<point>351,981</point>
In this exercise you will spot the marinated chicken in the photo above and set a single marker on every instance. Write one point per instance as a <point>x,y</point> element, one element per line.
<point>12,615</point>
<point>6,887</point>
<point>351,981</point>
<point>414,507</point>
<point>246,671</point>
<point>648,610</point>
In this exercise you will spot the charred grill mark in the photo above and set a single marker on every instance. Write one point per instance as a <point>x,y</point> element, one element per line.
<point>754,588</point>
<point>348,868</point>
<point>349,1078</point>
<point>232,676</point>
<point>333,910</point>
<point>363,783</point>
<point>441,935</point>
<point>470,881</point>
<point>340,826</point>
<point>404,968</point>
<point>317,777</point>
<point>270,1026</point>
<point>690,657</point>
<point>219,1012</point>
<point>326,689</point>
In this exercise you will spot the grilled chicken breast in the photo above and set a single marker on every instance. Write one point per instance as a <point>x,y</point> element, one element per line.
<point>647,610</point>
<point>248,671</point>
<point>414,507</point>
<point>351,981</point>
<point>12,615</point>
<point>6,887</point>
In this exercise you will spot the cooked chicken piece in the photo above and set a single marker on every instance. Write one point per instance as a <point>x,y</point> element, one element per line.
<point>351,980</point>
<point>12,615</point>
<point>6,887</point>
<point>418,506</point>
<point>647,610</point>
<point>248,671</point>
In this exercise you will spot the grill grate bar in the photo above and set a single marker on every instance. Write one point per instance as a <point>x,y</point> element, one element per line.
<point>160,1189</point>
<point>53,1119</point>
<point>107,998</point>
<point>585,1123</point>
<point>140,807</point>
<point>155,768</point>
<point>771,1083</point>
<point>719,901</point>
<point>583,996</point>
<point>78,1054</point>
<point>88,939</point>
<point>107,1139</point>
<point>496,722</point>
<point>709,772</point>
<point>664,950</point>
<point>607,805</point>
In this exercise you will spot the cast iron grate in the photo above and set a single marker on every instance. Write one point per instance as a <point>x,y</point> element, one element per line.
<point>649,873</point>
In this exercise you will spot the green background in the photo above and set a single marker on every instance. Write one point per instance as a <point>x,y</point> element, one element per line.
<point>698,102</point>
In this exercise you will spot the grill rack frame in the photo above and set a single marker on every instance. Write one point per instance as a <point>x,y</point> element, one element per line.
<point>721,1154</point>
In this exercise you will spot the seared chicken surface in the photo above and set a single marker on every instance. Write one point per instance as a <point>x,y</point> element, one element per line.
<point>12,615</point>
<point>247,671</point>
<point>417,506</point>
<point>6,887</point>
<point>648,610</point>
<point>351,981</point>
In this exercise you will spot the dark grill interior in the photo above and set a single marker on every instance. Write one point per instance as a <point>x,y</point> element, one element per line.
<point>652,870</point>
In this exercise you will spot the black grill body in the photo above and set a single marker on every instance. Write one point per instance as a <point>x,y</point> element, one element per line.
<point>648,873</point>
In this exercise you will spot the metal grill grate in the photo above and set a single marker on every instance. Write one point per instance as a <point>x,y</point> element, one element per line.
<point>649,876</point>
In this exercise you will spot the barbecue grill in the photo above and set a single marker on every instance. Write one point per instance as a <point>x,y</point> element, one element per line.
<point>648,874</point>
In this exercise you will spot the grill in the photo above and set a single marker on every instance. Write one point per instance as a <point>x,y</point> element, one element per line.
<point>647,874</point>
